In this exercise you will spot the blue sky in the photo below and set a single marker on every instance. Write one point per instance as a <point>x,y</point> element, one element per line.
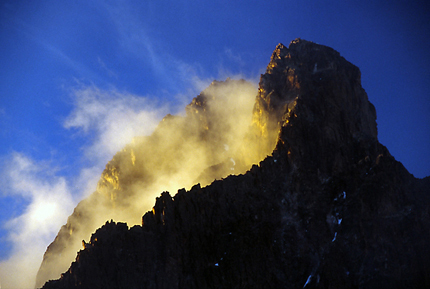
<point>79,79</point>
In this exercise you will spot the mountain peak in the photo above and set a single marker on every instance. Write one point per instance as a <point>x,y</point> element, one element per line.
<point>314,96</point>
<point>330,207</point>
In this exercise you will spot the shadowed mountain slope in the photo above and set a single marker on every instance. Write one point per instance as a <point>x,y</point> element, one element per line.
<point>212,140</point>
<point>330,208</point>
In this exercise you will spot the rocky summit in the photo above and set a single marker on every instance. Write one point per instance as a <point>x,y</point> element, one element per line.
<point>326,207</point>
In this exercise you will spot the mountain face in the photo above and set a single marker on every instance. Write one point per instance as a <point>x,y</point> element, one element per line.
<point>329,208</point>
<point>215,138</point>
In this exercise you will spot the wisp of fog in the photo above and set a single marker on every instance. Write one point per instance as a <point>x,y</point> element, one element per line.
<point>214,138</point>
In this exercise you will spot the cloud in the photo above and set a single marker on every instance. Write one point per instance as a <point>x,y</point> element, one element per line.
<point>103,66</point>
<point>237,58</point>
<point>132,34</point>
<point>182,152</point>
<point>112,118</point>
<point>108,119</point>
<point>50,203</point>
<point>137,38</point>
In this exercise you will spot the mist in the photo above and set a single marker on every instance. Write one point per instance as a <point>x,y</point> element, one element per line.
<point>50,202</point>
<point>107,119</point>
<point>113,117</point>
<point>211,139</point>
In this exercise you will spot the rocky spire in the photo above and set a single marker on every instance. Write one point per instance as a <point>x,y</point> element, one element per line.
<point>315,97</point>
<point>330,208</point>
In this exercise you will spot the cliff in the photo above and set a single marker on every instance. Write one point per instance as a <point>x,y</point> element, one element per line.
<point>329,208</point>
<point>212,140</point>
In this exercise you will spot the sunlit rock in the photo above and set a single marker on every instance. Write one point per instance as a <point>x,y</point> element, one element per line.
<point>182,151</point>
<point>329,208</point>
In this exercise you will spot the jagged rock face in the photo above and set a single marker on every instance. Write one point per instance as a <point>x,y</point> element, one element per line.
<point>331,208</point>
<point>210,142</point>
<point>317,98</point>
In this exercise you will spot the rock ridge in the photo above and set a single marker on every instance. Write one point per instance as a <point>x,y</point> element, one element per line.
<point>211,141</point>
<point>330,208</point>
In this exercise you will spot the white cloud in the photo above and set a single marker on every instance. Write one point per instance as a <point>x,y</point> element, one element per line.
<point>50,203</point>
<point>113,118</point>
<point>110,120</point>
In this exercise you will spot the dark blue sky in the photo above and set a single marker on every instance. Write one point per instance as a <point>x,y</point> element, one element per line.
<point>63,63</point>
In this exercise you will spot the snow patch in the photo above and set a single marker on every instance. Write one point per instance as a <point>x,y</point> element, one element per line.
<point>307,281</point>
<point>315,68</point>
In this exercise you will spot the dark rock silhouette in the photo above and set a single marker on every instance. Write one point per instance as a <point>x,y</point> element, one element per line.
<point>212,141</point>
<point>330,208</point>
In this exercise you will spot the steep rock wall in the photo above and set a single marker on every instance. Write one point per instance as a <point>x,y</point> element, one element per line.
<point>213,140</point>
<point>330,208</point>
